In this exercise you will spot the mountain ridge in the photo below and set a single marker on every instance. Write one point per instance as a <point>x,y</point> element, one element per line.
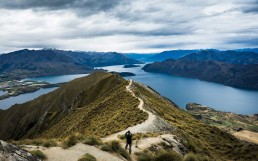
<point>35,63</point>
<point>236,69</point>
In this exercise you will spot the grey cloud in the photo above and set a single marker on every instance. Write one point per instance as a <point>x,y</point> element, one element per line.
<point>80,6</point>
<point>244,40</point>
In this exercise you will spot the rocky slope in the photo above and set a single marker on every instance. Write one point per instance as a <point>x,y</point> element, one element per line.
<point>33,63</point>
<point>104,104</point>
<point>9,152</point>
<point>235,75</point>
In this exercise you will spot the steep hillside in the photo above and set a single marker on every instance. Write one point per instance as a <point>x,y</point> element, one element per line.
<point>106,105</point>
<point>235,75</point>
<point>198,138</point>
<point>90,100</point>
<point>33,63</point>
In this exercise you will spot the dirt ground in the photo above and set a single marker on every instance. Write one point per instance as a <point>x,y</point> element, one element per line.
<point>247,136</point>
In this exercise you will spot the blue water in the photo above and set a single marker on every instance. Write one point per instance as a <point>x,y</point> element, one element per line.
<point>3,93</point>
<point>184,90</point>
<point>6,103</point>
<point>178,89</point>
<point>57,79</point>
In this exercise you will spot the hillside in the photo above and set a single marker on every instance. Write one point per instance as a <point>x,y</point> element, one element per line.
<point>235,75</point>
<point>171,54</point>
<point>229,56</point>
<point>106,105</point>
<point>71,108</point>
<point>34,63</point>
<point>227,121</point>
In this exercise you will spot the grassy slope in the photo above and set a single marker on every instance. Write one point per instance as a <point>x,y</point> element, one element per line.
<point>33,118</point>
<point>200,138</point>
<point>113,112</point>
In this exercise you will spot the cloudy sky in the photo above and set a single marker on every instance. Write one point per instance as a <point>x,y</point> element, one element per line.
<point>128,25</point>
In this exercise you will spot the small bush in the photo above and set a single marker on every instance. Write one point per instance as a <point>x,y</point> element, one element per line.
<point>88,157</point>
<point>144,156</point>
<point>39,154</point>
<point>190,157</point>
<point>114,146</point>
<point>168,156</point>
<point>49,143</point>
<point>106,147</point>
<point>70,141</point>
<point>92,141</point>
<point>195,157</point>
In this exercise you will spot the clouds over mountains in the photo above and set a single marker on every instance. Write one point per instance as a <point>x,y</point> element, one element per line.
<point>136,25</point>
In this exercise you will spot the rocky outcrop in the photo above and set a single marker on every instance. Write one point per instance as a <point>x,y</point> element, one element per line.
<point>9,152</point>
<point>197,107</point>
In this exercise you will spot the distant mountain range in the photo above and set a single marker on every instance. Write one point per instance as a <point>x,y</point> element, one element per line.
<point>34,63</point>
<point>232,68</point>
<point>177,54</point>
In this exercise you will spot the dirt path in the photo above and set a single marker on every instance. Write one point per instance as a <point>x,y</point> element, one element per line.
<point>77,151</point>
<point>74,153</point>
<point>139,127</point>
<point>247,136</point>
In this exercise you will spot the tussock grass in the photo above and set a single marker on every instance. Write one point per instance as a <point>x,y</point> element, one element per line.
<point>113,109</point>
<point>160,156</point>
<point>199,138</point>
<point>114,146</point>
<point>39,154</point>
<point>138,136</point>
<point>88,157</point>
<point>92,140</point>
<point>76,138</point>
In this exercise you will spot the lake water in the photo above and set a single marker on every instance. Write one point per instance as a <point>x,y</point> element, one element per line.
<point>57,79</point>
<point>3,92</point>
<point>6,103</point>
<point>178,89</point>
<point>184,90</point>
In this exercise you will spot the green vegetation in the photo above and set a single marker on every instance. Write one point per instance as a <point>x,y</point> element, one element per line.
<point>160,156</point>
<point>195,157</point>
<point>112,110</point>
<point>114,146</point>
<point>226,121</point>
<point>92,140</point>
<point>138,136</point>
<point>70,141</point>
<point>39,154</point>
<point>88,157</point>
<point>75,138</point>
<point>198,137</point>
<point>96,105</point>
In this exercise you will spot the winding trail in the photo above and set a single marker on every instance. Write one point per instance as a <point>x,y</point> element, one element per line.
<point>142,127</point>
<point>75,152</point>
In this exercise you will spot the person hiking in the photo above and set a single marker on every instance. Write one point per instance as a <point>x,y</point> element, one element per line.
<point>128,136</point>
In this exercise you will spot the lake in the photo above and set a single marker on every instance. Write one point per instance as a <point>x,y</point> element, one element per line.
<point>178,89</point>
<point>8,102</point>
<point>184,90</point>
<point>3,92</point>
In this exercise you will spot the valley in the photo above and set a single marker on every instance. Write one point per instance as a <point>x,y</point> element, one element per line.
<point>105,105</point>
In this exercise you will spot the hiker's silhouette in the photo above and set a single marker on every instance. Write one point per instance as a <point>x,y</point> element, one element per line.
<point>128,136</point>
